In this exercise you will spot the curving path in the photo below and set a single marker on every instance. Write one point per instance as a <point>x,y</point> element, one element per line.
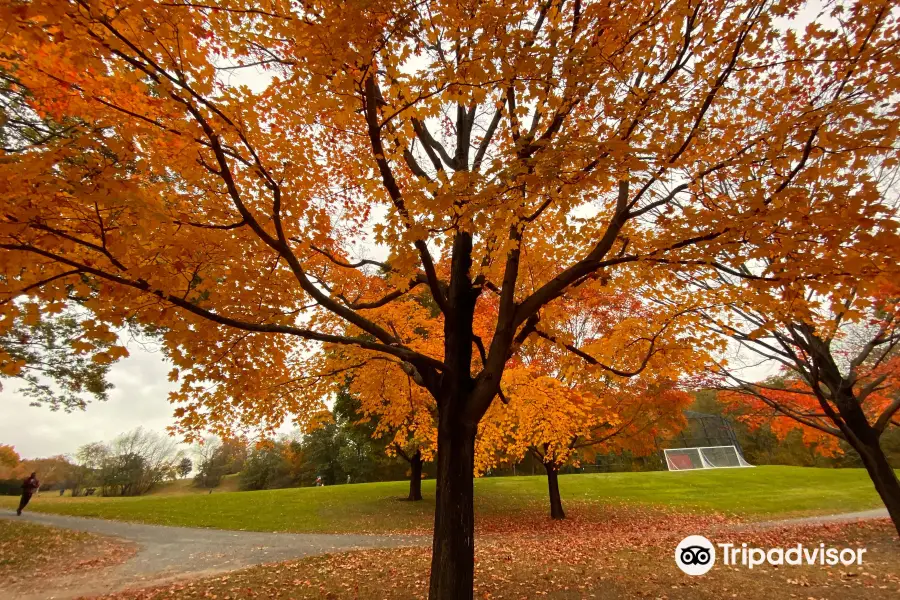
<point>169,553</point>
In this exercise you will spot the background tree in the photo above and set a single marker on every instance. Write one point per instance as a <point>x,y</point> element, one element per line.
<point>210,467</point>
<point>54,472</point>
<point>561,425</point>
<point>89,458</point>
<point>518,152</point>
<point>132,464</point>
<point>8,456</point>
<point>600,373</point>
<point>359,453</point>
<point>217,458</point>
<point>266,467</point>
<point>379,399</point>
<point>185,467</point>
<point>58,360</point>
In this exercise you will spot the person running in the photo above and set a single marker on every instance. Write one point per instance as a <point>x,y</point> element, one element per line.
<point>29,487</point>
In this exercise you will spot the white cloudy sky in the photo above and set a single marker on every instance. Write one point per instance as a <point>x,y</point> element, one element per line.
<point>138,400</point>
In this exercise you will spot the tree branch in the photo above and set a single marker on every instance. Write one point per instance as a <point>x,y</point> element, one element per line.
<point>143,286</point>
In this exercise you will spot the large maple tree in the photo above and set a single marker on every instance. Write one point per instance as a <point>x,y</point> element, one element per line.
<point>509,151</point>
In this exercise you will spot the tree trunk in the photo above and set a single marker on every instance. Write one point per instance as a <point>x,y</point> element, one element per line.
<point>865,440</point>
<point>453,547</point>
<point>885,480</point>
<point>556,508</point>
<point>415,477</point>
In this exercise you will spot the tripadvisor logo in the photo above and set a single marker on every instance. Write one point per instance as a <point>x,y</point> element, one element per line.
<point>696,555</point>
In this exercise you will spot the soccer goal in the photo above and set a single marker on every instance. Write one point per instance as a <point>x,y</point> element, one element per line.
<point>708,457</point>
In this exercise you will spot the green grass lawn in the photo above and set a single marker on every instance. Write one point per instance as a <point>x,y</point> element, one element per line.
<point>179,487</point>
<point>759,493</point>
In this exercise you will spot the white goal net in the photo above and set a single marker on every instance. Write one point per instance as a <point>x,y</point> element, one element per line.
<point>708,457</point>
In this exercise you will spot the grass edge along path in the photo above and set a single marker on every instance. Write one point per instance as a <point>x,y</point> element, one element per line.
<point>753,493</point>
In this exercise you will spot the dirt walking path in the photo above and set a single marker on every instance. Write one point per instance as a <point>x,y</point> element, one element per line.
<point>170,553</point>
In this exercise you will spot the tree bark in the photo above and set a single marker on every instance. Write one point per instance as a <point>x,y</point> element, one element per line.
<point>415,477</point>
<point>453,547</point>
<point>556,508</point>
<point>865,440</point>
<point>885,480</point>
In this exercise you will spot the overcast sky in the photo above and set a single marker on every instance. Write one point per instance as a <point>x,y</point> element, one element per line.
<point>139,399</point>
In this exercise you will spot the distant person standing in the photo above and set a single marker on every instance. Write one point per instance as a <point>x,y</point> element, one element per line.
<point>29,487</point>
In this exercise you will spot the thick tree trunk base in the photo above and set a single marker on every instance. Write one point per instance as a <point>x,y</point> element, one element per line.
<point>865,440</point>
<point>453,547</point>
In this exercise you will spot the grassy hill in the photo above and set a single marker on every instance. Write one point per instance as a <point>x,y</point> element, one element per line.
<point>762,492</point>
<point>186,486</point>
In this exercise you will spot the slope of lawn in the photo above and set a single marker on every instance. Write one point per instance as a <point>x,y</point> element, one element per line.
<point>758,493</point>
<point>179,487</point>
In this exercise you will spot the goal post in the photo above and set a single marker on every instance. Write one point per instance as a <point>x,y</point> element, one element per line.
<point>704,457</point>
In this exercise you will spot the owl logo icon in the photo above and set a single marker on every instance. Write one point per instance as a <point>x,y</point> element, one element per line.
<point>695,555</point>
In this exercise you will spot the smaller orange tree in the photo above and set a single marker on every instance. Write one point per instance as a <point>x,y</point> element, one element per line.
<point>9,458</point>
<point>560,424</point>
<point>599,376</point>
<point>401,412</point>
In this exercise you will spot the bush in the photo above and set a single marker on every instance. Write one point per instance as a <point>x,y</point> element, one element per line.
<point>10,487</point>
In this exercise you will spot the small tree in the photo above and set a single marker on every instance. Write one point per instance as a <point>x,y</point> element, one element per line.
<point>359,451</point>
<point>90,459</point>
<point>217,458</point>
<point>389,406</point>
<point>185,467</point>
<point>266,467</point>
<point>600,372</point>
<point>8,456</point>
<point>132,463</point>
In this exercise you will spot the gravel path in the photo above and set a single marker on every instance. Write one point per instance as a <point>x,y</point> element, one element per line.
<point>169,553</point>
